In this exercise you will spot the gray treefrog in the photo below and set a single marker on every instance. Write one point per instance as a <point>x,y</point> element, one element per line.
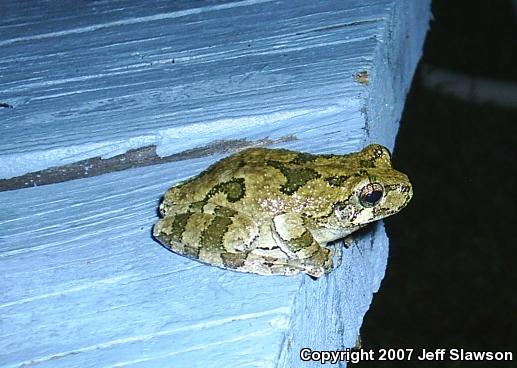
<point>273,211</point>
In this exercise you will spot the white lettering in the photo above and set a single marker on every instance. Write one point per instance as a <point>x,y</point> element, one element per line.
<point>305,354</point>
<point>462,354</point>
<point>335,356</point>
<point>453,354</point>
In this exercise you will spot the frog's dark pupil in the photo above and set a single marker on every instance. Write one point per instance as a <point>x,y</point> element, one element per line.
<point>371,194</point>
<point>373,197</point>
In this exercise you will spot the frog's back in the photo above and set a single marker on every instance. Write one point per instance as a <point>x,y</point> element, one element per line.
<point>244,163</point>
<point>248,168</point>
<point>260,154</point>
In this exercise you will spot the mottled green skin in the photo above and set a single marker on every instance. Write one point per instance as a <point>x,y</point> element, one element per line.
<point>271,211</point>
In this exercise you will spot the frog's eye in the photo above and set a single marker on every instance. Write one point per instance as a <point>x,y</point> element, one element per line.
<point>371,194</point>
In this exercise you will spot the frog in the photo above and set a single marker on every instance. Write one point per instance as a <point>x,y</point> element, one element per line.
<point>275,211</point>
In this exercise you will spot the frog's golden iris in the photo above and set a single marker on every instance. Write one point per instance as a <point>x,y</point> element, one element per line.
<point>371,194</point>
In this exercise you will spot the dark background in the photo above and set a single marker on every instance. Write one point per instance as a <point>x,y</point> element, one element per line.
<point>451,280</point>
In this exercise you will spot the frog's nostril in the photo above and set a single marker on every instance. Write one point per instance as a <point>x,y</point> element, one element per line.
<point>407,191</point>
<point>406,188</point>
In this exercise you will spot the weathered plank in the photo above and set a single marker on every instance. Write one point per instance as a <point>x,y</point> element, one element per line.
<point>97,79</point>
<point>83,283</point>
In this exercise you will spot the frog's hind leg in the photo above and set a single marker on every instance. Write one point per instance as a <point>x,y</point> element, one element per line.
<point>269,265</point>
<point>297,242</point>
<point>222,238</point>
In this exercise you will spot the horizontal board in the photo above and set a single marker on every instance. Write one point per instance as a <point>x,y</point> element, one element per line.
<point>83,284</point>
<point>100,79</point>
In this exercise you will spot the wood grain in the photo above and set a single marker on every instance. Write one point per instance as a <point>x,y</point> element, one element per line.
<point>82,282</point>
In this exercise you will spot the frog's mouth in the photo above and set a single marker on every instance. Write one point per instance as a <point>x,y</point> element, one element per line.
<point>328,234</point>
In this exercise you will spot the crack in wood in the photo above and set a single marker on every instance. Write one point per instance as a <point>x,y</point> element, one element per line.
<point>6,105</point>
<point>139,157</point>
<point>338,26</point>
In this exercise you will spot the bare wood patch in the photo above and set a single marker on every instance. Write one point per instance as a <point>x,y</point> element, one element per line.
<point>139,157</point>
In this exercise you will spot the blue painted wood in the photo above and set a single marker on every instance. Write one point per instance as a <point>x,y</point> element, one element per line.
<point>101,78</point>
<point>82,283</point>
